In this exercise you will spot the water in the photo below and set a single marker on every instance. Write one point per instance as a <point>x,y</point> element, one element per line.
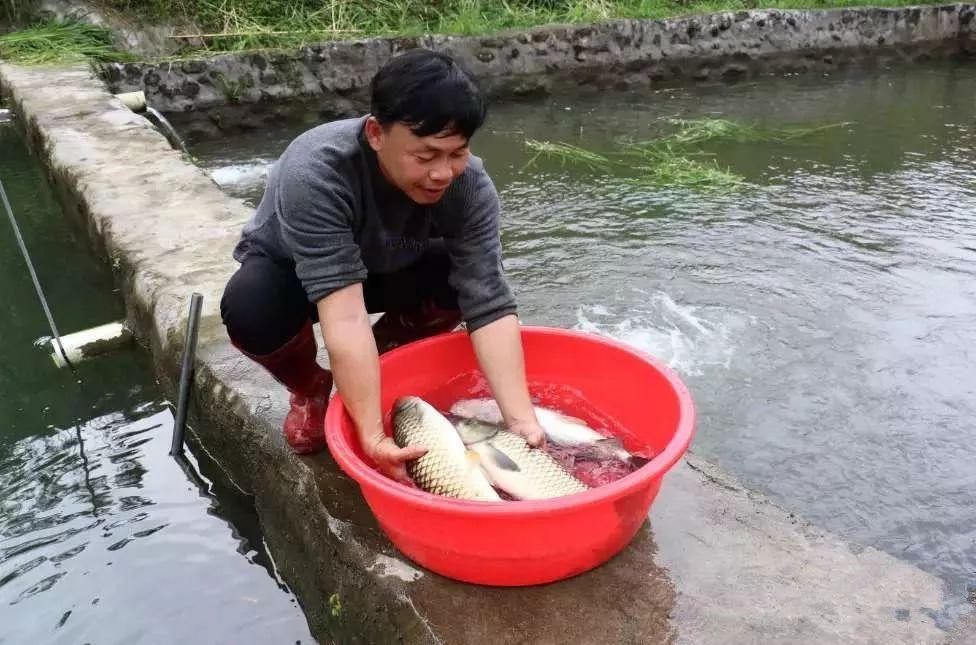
<point>168,131</point>
<point>825,320</point>
<point>103,537</point>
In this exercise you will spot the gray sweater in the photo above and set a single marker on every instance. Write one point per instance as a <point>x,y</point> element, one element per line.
<point>328,209</point>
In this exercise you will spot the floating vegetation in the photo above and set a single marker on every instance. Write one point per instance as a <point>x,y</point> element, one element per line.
<point>697,131</point>
<point>66,42</point>
<point>566,152</point>
<point>688,173</point>
<point>672,159</point>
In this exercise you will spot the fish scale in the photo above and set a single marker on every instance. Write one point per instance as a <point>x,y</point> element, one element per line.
<point>444,469</point>
<point>543,474</point>
<point>560,429</point>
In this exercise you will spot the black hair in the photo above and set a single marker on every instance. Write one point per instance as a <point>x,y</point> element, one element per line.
<point>429,92</point>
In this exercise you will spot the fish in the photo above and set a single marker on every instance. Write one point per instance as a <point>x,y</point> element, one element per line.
<point>513,466</point>
<point>560,429</point>
<point>448,467</point>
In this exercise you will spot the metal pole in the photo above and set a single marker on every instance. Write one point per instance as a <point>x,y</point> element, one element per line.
<point>33,274</point>
<point>186,374</point>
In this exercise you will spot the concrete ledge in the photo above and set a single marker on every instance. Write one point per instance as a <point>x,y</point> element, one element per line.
<point>715,564</point>
<point>247,89</point>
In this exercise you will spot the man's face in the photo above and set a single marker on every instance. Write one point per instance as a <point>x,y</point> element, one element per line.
<point>422,167</point>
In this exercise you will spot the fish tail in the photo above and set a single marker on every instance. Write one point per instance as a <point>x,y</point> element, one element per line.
<point>610,448</point>
<point>613,446</point>
<point>637,461</point>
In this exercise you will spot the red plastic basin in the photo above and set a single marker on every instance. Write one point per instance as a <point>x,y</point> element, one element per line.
<point>526,542</point>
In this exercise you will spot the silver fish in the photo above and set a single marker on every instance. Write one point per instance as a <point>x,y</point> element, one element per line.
<point>515,467</point>
<point>559,428</point>
<point>447,468</point>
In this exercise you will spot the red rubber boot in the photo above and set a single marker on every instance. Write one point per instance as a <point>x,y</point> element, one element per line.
<point>293,365</point>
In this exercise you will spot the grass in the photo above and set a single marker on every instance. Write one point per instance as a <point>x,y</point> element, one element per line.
<point>211,26</point>
<point>59,43</point>
<point>673,159</point>
<point>566,153</point>
<point>235,25</point>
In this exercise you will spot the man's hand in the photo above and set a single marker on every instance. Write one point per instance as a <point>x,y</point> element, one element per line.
<point>390,458</point>
<point>498,346</point>
<point>355,366</point>
<point>531,431</point>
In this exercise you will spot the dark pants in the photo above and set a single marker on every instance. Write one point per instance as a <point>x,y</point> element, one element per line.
<point>264,304</point>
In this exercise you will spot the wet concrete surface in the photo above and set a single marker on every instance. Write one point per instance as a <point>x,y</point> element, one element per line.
<point>716,563</point>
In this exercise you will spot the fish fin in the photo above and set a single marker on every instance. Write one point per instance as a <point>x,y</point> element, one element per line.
<point>502,460</point>
<point>472,431</point>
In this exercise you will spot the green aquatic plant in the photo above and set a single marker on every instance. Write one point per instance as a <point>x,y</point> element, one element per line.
<point>660,165</point>
<point>59,42</point>
<point>566,153</point>
<point>673,159</point>
<point>685,172</point>
<point>696,131</point>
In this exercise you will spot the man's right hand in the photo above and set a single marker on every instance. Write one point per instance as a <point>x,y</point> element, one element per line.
<point>391,459</point>
<point>355,365</point>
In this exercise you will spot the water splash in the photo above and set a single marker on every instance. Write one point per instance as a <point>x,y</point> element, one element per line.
<point>242,180</point>
<point>688,338</point>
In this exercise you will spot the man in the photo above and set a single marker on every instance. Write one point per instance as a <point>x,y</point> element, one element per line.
<point>390,213</point>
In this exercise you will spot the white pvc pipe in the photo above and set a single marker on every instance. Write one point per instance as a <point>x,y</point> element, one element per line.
<point>135,101</point>
<point>87,343</point>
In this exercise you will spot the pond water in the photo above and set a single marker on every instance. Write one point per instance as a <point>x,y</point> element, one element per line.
<point>104,538</point>
<point>824,316</point>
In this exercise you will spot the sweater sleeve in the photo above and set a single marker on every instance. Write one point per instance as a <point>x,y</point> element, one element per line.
<point>315,208</point>
<point>475,251</point>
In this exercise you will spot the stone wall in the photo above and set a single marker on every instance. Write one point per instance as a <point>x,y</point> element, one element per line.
<point>253,87</point>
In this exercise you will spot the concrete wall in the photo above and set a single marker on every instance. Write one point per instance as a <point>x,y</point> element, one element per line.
<point>617,54</point>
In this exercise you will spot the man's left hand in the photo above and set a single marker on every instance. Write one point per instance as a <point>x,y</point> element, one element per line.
<point>531,431</point>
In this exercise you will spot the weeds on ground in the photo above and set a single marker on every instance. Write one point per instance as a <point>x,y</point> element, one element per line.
<point>59,43</point>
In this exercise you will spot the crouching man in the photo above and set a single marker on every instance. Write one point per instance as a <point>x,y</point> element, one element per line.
<point>388,212</point>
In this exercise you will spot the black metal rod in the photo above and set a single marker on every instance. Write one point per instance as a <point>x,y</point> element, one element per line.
<point>186,374</point>
<point>33,273</point>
